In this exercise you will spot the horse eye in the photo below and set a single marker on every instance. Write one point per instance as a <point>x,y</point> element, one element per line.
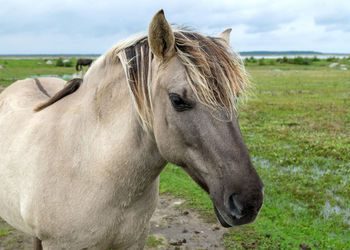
<point>178,103</point>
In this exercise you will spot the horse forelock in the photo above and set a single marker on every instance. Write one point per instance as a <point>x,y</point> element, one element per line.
<point>215,71</point>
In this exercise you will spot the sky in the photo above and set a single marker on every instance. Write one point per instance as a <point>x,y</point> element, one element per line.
<point>93,26</point>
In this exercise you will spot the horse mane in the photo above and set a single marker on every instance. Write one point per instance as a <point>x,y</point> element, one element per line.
<point>215,71</point>
<point>69,88</point>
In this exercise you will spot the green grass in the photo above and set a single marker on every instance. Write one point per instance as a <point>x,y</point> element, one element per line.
<point>4,233</point>
<point>16,69</point>
<point>297,129</point>
<point>152,241</point>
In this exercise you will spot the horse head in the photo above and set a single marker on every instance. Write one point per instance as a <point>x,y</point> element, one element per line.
<point>195,83</point>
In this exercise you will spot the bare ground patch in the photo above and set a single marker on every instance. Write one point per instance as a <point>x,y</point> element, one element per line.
<point>11,239</point>
<point>174,228</point>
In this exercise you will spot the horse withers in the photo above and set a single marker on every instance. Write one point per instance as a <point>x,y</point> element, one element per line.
<point>82,62</point>
<point>81,171</point>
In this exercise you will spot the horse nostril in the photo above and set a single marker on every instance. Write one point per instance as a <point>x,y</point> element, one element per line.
<point>234,206</point>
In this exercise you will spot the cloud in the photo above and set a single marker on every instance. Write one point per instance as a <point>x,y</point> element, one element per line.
<point>59,25</point>
<point>337,17</point>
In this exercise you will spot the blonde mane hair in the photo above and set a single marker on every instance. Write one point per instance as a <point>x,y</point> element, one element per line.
<point>215,71</point>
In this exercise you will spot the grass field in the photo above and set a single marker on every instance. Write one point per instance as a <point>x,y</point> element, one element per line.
<point>16,69</point>
<point>297,129</point>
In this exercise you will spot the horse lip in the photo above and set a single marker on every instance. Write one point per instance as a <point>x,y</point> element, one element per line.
<point>221,219</point>
<point>230,221</point>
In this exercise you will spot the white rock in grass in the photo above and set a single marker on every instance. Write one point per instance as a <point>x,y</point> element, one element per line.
<point>332,65</point>
<point>176,203</point>
<point>49,62</point>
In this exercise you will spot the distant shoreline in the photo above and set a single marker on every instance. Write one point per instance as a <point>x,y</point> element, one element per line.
<point>48,56</point>
<point>244,54</point>
<point>291,52</point>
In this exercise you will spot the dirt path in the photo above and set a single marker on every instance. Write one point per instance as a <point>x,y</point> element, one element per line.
<point>182,229</point>
<point>13,239</point>
<point>171,228</point>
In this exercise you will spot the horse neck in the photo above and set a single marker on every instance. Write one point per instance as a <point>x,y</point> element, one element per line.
<point>125,143</point>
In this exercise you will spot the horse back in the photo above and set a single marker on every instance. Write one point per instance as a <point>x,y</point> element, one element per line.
<point>27,93</point>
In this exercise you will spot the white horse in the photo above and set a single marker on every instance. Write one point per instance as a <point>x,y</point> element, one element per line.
<point>81,171</point>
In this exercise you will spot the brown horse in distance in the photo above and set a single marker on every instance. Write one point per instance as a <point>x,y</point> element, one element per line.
<point>83,62</point>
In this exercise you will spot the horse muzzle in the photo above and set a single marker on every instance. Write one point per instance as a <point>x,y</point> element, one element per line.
<point>236,212</point>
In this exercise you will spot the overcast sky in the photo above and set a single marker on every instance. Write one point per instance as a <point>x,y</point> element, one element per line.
<point>93,26</point>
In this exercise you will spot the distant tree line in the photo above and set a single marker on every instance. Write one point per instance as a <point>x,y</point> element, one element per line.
<point>294,60</point>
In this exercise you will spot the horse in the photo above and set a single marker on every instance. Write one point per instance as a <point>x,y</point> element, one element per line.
<point>80,161</point>
<point>81,63</point>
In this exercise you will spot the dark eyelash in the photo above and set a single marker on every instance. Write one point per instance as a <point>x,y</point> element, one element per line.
<point>179,103</point>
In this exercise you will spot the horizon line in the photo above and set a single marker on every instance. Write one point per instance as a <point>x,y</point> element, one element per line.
<point>248,52</point>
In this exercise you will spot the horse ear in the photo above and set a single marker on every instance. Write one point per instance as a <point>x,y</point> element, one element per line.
<point>225,35</point>
<point>161,38</point>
